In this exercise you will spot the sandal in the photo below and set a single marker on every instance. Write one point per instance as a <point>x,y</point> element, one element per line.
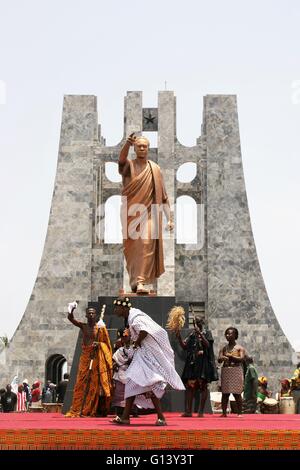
<point>141,289</point>
<point>161,422</point>
<point>118,420</point>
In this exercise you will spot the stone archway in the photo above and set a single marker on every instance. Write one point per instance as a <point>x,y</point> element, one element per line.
<point>54,368</point>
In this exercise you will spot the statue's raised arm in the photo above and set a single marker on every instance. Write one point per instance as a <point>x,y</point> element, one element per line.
<point>125,149</point>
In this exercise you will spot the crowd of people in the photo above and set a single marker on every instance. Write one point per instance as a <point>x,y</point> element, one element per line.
<point>131,377</point>
<point>20,397</point>
<point>142,366</point>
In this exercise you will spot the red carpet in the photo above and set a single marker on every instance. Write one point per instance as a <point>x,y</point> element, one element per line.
<point>54,431</point>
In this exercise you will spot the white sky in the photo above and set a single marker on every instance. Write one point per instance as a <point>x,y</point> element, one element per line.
<point>48,49</point>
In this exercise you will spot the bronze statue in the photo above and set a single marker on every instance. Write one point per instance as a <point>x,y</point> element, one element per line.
<point>144,199</point>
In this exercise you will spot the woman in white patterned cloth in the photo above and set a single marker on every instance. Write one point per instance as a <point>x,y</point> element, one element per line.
<point>152,366</point>
<point>232,375</point>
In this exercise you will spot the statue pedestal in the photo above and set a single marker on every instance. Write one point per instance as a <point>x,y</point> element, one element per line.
<point>123,293</point>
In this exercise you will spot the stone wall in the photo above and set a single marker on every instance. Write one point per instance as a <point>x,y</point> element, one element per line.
<point>236,290</point>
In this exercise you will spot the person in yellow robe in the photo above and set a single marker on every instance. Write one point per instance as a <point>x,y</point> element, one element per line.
<point>144,199</point>
<point>93,389</point>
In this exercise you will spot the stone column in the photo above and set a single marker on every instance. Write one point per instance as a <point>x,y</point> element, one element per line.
<point>236,292</point>
<point>133,122</point>
<point>166,142</point>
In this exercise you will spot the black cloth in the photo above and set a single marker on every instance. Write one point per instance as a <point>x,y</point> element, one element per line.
<point>203,366</point>
<point>8,401</point>
<point>61,390</point>
<point>28,393</point>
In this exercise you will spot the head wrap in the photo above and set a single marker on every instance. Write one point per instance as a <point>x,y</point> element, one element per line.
<point>263,380</point>
<point>123,302</point>
<point>285,382</point>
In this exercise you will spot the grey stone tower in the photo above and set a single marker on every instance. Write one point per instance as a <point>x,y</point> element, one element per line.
<point>219,274</point>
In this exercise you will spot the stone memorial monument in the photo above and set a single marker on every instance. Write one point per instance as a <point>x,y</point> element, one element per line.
<point>218,274</point>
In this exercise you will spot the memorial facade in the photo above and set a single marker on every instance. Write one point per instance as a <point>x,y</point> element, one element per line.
<point>218,274</point>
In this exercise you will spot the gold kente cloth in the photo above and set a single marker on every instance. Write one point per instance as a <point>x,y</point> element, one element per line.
<point>100,384</point>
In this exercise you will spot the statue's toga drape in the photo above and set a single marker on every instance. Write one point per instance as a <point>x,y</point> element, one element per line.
<point>142,231</point>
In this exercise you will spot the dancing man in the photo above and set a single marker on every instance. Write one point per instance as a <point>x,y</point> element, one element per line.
<point>152,366</point>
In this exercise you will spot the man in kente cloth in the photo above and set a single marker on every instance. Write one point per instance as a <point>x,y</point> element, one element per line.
<point>152,366</point>
<point>93,390</point>
<point>144,198</point>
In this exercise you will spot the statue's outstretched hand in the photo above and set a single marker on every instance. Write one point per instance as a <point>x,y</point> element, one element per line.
<point>131,139</point>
